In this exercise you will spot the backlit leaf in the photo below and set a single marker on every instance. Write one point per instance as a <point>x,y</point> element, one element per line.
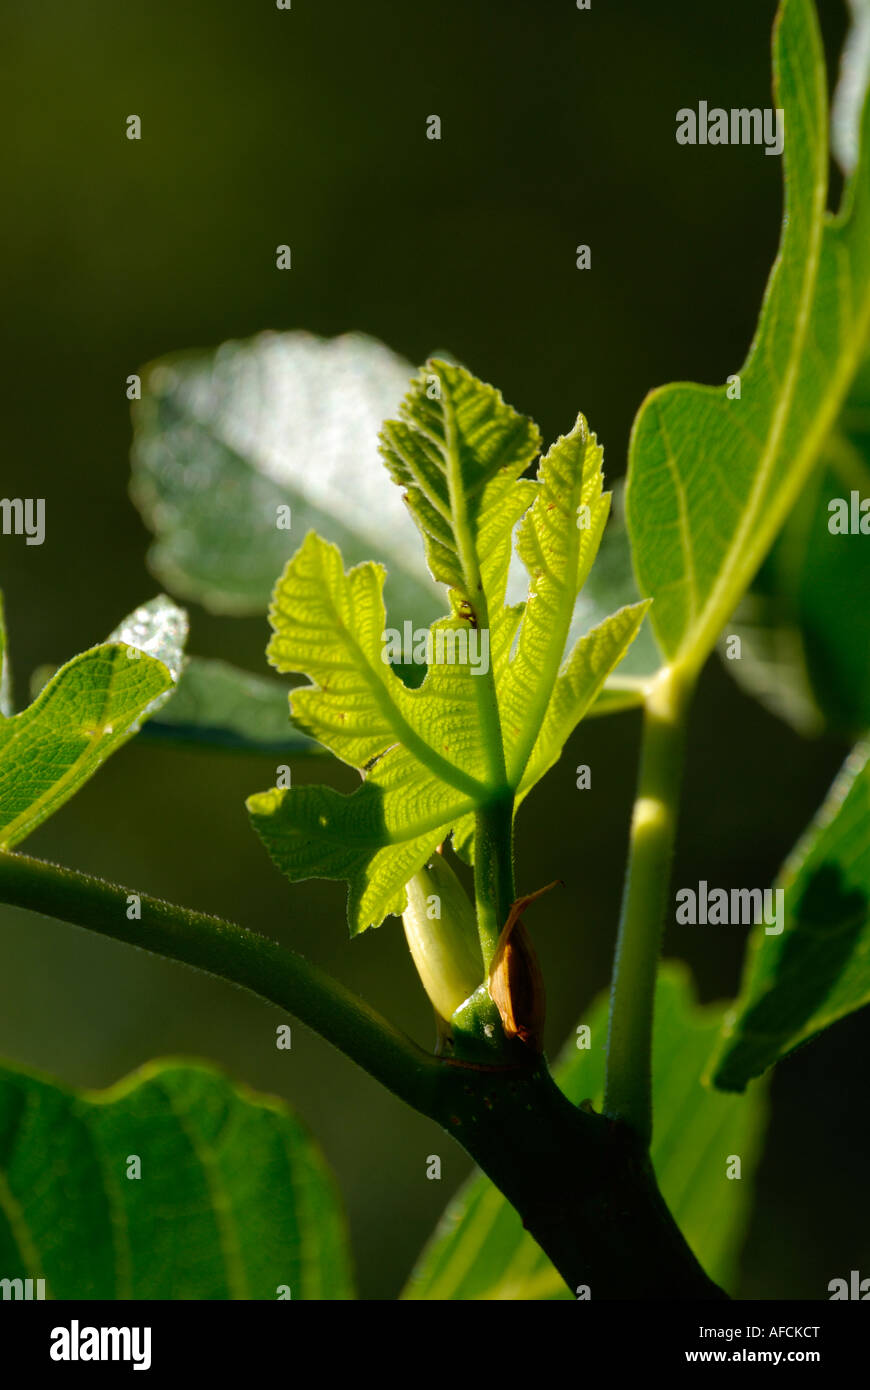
<point>497,701</point>
<point>711,479</point>
<point>88,709</point>
<point>223,439</point>
<point>804,626</point>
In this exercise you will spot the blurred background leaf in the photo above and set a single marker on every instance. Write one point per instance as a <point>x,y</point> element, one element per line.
<point>218,706</point>
<point>5,668</point>
<point>851,86</point>
<point>224,440</point>
<point>231,1199</point>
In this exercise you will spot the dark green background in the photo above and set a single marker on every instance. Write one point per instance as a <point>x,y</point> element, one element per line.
<point>262,127</point>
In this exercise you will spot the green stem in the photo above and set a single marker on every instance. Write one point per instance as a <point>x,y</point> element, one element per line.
<point>607,1228</point>
<point>232,953</point>
<point>494,889</point>
<point>583,1185</point>
<point>628,1085</point>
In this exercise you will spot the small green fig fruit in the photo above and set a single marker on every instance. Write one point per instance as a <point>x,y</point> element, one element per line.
<point>441,932</point>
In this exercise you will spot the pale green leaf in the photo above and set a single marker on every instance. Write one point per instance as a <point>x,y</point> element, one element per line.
<point>496,690</point>
<point>579,684</point>
<point>557,542</point>
<point>88,709</point>
<point>377,838</point>
<point>480,1250</point>
<point>223,439</point>
<point>233,1200</point>
<point>420,748</point>
<point>817,970</point>
<point>332,625</point>
<point>576,692</point>
<point>711,479</point>
<point>804,625</point>
<point>459,450</point>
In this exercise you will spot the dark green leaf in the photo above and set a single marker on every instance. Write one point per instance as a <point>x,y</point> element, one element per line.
<point>817,969</point>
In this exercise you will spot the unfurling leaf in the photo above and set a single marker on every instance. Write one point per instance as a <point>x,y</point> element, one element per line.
<point>459,450</point>
<point>498,700</point>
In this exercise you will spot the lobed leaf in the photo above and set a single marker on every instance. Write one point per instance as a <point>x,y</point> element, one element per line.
<point>376,839</point>
<point>233,1200</point>
<point>331,625</point>
<point>579,684</point>
<point>434,755</point>
<point>557,541</point>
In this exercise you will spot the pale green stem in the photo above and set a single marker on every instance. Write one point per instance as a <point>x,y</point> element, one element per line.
<point>494,888</point>
<point>628,1086</point>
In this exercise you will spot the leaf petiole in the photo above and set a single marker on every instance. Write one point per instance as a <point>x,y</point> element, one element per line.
<point>628,1090</point>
